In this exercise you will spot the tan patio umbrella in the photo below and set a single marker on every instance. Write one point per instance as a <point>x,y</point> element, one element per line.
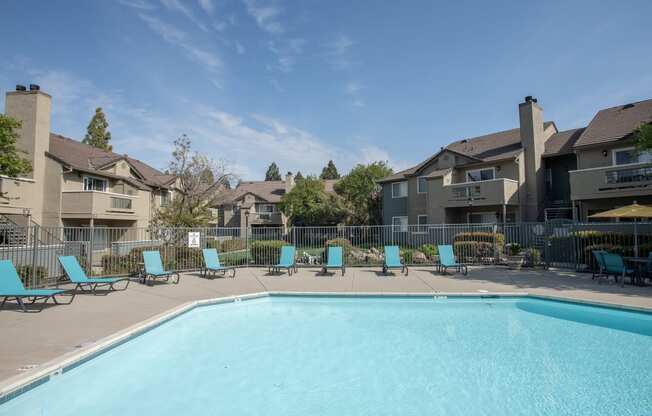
<point>630,211</point>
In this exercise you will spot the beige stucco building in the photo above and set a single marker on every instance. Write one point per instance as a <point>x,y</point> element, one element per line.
<point>73,184</point>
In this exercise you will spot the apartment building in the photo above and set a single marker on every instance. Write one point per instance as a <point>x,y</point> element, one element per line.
<point>256,203</point>
<point>73,184</point>
<point>530,173</point>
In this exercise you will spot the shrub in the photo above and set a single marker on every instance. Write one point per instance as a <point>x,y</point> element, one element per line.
<point>407,254</point>
<point>514,249</point>
<point>266,251</point>
<point>232,245</point>
<point>532,257</point>
<point>32,276</point>
<point>430,250</point>
<point>484,237</point>
<point>472,250</point>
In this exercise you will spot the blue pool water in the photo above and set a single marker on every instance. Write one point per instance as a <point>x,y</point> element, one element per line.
<point>368,356</point>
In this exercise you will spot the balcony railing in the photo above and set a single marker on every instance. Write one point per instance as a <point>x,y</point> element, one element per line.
<point>120,203</point>
<point>611,181</point>
<point>490,192</point>
<point>94,204</point>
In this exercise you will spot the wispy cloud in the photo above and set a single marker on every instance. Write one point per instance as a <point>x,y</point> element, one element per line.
<point>207,6</point>
<point>286,52</point>
<point>239,48</point>
<point>180,39</point>
<point>138,4</point>
<point>338,52</point>
<point>180,7</point>
<point>266,16</point>
<point>353,90</point>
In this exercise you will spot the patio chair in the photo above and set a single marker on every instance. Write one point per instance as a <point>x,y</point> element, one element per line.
<point>76,274</point>
<point>286,261</point>
<point>154,268</point>
<point>11,287</point>
<point>393,260</point>
<point>212,264</point>
<point>447,260</point>
<point>334,260</point>
<point>615,266</point>
<point>598,255</point>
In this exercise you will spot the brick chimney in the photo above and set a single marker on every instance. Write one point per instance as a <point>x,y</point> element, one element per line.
<point>33,109</point>
<point>289,182</point>
<point>533,141</point>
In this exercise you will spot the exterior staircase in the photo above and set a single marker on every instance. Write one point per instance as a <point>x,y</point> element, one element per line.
<point>12,234</point>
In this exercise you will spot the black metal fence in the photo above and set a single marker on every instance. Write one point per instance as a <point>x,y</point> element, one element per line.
<point>112,251</point>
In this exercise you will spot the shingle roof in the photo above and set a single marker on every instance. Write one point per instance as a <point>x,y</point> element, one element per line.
<point>90,159</point>
<point>270,191</point>
<point>615,123</point>
<point>399,175</point>
<point>562,143</point>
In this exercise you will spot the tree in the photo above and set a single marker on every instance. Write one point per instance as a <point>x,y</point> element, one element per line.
<point>643,137</point>
<point>11,163</point>
<point>97,134</point>
<point>361,193</point>
<point>199,182</point>
<point>309,204</point>
<point>298,176</point>
<point>273,173</point>
<point>329,171</point>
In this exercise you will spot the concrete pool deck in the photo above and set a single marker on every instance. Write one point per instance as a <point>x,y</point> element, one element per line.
<point>29,340</point>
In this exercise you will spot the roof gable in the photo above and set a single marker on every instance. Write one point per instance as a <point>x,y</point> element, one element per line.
<point>616,123</point>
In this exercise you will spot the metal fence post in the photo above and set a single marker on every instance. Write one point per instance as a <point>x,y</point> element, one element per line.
<point>89,251</point>
<point>33,277</point>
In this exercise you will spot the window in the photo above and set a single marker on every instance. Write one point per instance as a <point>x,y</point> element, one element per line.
<point>480,175</point>
<point>629,155</point>
<point>165,198</point>
<point>94,184</point>
<point>422,185</point>
<point>265,208</point>
<point>120,203</point>
<point>399,189</point>
<point>422,219</point>
<point>400,224</point>
<point>482,217</point>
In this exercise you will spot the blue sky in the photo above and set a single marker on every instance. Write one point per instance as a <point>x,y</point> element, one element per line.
<point>253,81</point>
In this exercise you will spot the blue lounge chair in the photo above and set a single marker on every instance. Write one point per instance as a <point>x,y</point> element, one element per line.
<point>447,260</point>
<point>12,288</point>
<point>286,261</point>
<point>615,266</point>
<point>334,260</point>
<point>77,275</point>
<point>154,268</point>
<point>393,260</point>
<point>212,264</point>
<point>598,255</point>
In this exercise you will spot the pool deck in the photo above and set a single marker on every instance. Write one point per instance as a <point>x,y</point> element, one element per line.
<point>30,340</point>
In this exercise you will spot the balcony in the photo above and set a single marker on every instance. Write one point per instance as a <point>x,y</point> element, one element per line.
<point>17,194</point>
<point>481,193</point>
<point>265,218</point>
<point>100,205</point>
<point>611,181</point>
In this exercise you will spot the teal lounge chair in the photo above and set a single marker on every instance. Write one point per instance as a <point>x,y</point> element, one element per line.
<point>598,255</point>
<point>393,260</point>
<point>12,288</point>
<point>334,260</point>
<point>212,264</point>
<point>154,268</point>
<point>77,275</point>
<point>447,260</point>
<point>615,266</point>
<point>286,261</point>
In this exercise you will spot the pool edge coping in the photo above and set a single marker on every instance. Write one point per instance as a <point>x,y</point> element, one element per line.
<point>21,383</point>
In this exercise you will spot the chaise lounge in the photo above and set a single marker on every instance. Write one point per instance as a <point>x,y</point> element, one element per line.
<point>447,260</point>
<point>286,261</point>
<point>11,287</point>
<point>393,260</point>
<point>154,268</point>
<point>76,274</point>
<point>212,264</point>
<point>334,260</point>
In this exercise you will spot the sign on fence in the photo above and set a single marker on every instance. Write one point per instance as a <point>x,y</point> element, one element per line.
<point>194,239</point>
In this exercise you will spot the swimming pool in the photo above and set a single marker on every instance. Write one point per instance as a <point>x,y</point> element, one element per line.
<point>289,355</point>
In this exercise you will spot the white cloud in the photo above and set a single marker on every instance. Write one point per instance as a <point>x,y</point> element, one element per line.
<point>353,90</point>
<point>338,53</point>
<point>340,45</point>
<point>239,48</point>
<point>180,39</point>
<point>180,7</point>
<point>207,6</point>
<point>265,16</point>
<point>286,52</point>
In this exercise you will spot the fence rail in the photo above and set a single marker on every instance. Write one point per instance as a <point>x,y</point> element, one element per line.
<point>114,251</point>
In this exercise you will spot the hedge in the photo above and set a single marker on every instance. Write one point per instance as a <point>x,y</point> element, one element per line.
<point>478,245</point>
<point>584,242</point>
<point>266,251</point>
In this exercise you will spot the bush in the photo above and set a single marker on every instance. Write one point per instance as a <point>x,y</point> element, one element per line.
<point>407,255</point>
<point>266,251</point>
<point>233,245</point>
<point>532,257</point>
<point>470,246</point>
<point>430,250</point>
<point>484,237</point>
<point>32,276</point>
<point>514,249</point>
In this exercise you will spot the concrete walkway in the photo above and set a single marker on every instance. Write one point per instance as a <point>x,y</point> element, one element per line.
<point>32,339</point>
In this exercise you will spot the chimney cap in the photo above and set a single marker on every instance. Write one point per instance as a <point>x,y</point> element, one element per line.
<point>530,99</point>
<point>34,87</point>
<point>20,87</point>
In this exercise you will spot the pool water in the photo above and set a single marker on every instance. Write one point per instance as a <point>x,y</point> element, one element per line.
<point>368,356</point>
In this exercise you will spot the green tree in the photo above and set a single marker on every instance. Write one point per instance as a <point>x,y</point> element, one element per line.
<point>329,171</point>
<point>361,193</point>
<point>298,176</point>
<point>199,182</point>
<point>97,134</point>
<point>11,163</point>
<point>273,174</point>
<point>309,204</point>
<point>643,137</point>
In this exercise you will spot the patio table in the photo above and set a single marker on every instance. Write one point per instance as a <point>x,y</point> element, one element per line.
<point>639,264</point>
